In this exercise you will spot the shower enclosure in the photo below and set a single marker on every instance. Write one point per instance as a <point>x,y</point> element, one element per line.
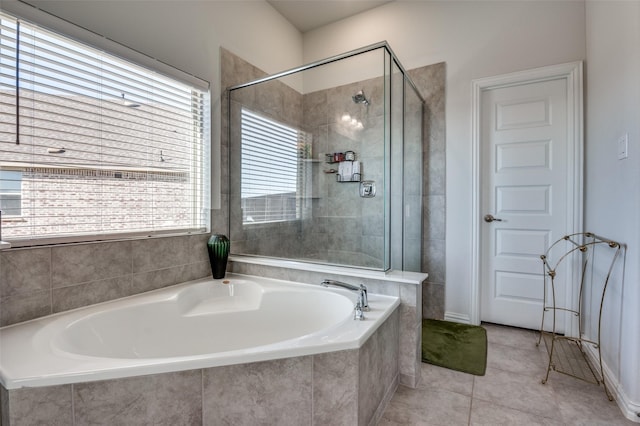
<point>325,163</point>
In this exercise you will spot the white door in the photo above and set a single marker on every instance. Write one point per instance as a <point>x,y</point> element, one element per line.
<point>524,181</point>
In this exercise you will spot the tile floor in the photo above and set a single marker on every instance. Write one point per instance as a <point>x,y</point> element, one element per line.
<point>510,393</point>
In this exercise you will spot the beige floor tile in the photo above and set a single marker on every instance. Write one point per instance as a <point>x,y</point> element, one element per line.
<point>510,336</point>
<point>517,391</point>
<point>582,403</point>
<point>428,407</point>
<point>529,360</point>
<point>511,392</point>
<point>487,413</point>
<point>439,378</point>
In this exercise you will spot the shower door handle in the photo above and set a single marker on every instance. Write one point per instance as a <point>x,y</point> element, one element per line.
<point>489,218</point>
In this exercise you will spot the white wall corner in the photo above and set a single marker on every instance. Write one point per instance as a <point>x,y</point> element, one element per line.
<point>630,409</point>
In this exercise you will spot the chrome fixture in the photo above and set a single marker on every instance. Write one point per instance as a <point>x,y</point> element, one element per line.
<point>362,305</point>
<point>360,98</point>
<point>489,218</point>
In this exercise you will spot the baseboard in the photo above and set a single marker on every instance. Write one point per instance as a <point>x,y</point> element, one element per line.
<point>630,409</point>
<point>457,317</point>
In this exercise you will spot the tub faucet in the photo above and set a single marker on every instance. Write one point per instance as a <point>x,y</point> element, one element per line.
<point>362,304</point>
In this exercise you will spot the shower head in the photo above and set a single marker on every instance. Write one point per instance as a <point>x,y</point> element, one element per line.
<point>359,98</point>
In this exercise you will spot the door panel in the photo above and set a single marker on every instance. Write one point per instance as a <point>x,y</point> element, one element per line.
<point>524,185</point>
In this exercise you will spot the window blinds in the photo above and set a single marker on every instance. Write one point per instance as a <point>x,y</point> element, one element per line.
<point>271,172</point>
<point>103,146</point>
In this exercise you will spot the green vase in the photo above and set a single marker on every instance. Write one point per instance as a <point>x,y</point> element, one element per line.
<point>218,248</point>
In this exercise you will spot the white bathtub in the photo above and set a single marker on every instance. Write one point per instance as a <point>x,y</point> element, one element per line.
<point>198,324</point>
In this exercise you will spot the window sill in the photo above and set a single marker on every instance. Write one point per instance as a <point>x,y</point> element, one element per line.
<point>84,239</point>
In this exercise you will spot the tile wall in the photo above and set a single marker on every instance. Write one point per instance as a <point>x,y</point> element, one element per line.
<point>40,281</point>
<point>430,81</point>
<point>344,387</point>
<point>410,312</point>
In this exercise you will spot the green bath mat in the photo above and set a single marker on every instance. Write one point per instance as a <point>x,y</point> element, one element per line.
<point>456,346</point>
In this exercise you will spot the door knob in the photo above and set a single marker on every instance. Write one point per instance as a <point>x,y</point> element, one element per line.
<point>489,218</point>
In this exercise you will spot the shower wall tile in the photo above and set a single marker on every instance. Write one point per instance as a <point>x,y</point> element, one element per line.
<point>434,206</point>
<point>220,217</point>
<point>372,224</point>
<point>163,399</point>
<point>335,388</point>
<point>4,406</point>
<point>153,280</point>
<point>433,300</point>
<point>434,161</point>
<point>158,253</point>
<point>314,108</point>
<point>373,246</point>
<point>24,271</point>
<point>243,394</point>
<point>23,307</point>
<point>433,260</point>
<point>49,405</point>
<point>431,82</point>
<point>75,296</point>
<point>193,271</point>
<point>410,296</point>
<point>413,247</point>
<point>270,99</point>
<point>378,369</point>
<point>31,286</point>
<point>79,263</point>
<point>409,359</point>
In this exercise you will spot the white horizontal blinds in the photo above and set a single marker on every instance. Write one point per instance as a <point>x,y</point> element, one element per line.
<point>270,169</point>
<point>8,41</point>
<point>105,146</point>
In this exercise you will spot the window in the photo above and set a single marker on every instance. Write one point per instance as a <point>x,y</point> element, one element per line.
<point>10,193</point>
<point>272,170</point>
<point>101,145</point>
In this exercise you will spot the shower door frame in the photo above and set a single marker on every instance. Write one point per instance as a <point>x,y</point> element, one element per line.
<point>388,262</point>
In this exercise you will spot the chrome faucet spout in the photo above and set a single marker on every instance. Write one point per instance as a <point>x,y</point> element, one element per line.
<point>335,283</point>
<point>363,300</point>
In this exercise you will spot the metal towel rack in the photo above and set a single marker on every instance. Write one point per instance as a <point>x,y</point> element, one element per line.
<point>563,350</point>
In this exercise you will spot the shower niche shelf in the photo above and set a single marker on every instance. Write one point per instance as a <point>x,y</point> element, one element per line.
<point>348,168</point>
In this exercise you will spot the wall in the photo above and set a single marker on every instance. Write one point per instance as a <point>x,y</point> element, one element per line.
<point>40,281</point>
<point>409,291</point>
<point>188,35</point>
<point>612,199</point>
<point>475,39</point>
<point>43,280</point>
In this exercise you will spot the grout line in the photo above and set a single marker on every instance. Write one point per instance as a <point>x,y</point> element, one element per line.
<point>50,280</point>
<point>473,385</point>
<point>202,396</point>
<point>73,405</point>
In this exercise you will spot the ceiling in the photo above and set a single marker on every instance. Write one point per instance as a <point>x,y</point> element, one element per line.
<point>307,15</point>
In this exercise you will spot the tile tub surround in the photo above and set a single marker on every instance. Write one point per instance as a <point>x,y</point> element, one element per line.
<point>39,281</point>
<point>406,286</point>
<point>344,387</point>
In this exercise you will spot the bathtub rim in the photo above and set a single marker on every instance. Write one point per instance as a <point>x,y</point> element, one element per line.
<point>123,368</point>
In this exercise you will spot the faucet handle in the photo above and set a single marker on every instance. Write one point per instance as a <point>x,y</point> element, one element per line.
<point>357,312</point>
<point>364,299</point>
